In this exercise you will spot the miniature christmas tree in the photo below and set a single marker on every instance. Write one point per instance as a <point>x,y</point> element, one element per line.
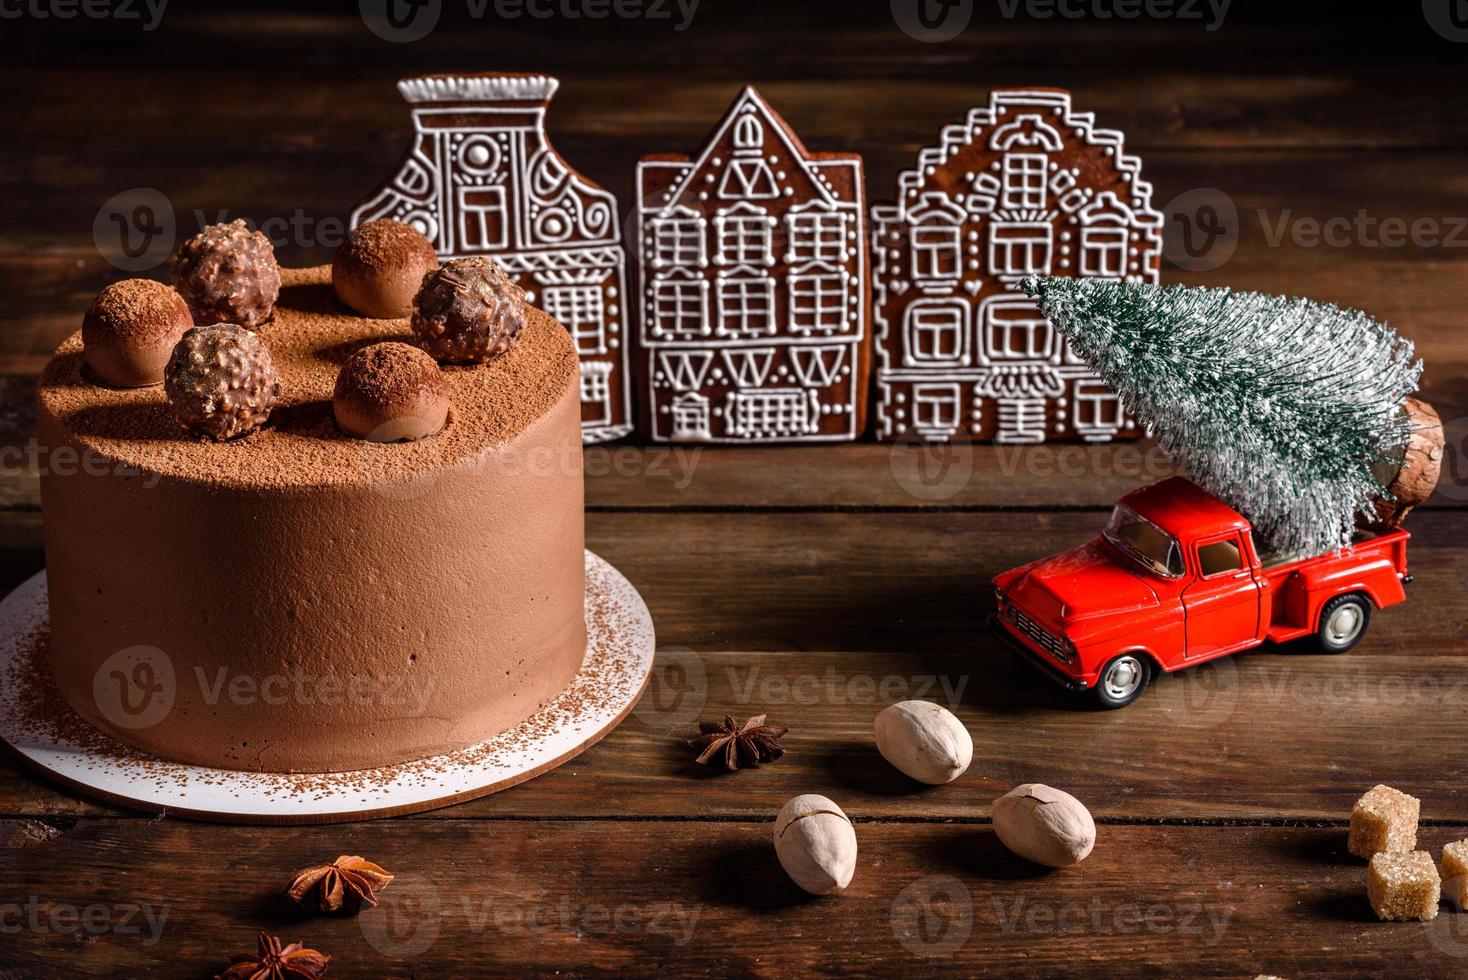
<point>1279,407</point>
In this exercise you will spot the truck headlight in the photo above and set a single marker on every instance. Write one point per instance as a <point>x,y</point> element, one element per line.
<point>1068,645</point>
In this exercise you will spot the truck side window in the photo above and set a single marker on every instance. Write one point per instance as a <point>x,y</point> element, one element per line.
<point>1220,557</point>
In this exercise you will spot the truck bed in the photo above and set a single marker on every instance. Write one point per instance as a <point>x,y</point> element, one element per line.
<point>1296,588</point>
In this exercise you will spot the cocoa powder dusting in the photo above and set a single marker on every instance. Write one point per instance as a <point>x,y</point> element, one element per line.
<point>301,446</point>
<point>390,374</point>
<point>135,310</point>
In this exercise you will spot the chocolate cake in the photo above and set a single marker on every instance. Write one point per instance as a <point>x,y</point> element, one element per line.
<point>318,601</point>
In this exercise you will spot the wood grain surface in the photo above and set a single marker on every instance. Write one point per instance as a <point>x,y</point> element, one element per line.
<point>814,584</point>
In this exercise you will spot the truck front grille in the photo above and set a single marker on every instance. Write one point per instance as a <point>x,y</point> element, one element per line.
<point>1040,636</point>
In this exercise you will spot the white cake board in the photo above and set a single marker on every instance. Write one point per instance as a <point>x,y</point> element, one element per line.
<point>618,662</point>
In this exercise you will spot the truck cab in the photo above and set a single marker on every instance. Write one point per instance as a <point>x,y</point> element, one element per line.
<point>1176,579</point>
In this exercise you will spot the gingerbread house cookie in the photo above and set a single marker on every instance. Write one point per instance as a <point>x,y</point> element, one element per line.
<point>755,288</point>
<point>1025,186</point>
<point>481,178</point>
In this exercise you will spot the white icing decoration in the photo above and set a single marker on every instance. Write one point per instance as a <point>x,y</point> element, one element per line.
<point>953,332</point>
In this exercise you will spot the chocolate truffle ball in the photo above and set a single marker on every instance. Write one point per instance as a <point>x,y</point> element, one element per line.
<point>129,332</point>
<point>390,393</point>
<point>378,269</point>
<point>228,274</point>
<point>220,381</point>
<point>469,310</point>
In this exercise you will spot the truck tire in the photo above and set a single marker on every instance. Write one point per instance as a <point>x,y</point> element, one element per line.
<point>1122,680</point>
<point>1343,622</point>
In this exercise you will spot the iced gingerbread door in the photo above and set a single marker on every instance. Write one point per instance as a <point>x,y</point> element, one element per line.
<point>481,178</point>
<point>1024,186</point>
<point>755,288</point>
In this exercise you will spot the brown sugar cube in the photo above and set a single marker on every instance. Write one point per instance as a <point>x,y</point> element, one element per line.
<point>1383,820</point>
<point>1455,873</point>
<point>1403,886</point>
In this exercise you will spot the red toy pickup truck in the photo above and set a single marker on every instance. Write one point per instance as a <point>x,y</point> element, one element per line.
<point>1175,581</point>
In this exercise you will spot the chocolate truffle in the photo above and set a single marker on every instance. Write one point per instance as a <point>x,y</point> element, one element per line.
<point>390,392</point>
<point>220,381</point>
<point>469,310</point>
<point>129,332</point>
<point>228,274</point>
<point>378,269</point>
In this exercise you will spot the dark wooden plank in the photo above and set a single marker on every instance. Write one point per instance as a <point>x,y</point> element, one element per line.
<point>1199,746</point>
<point>823,619</point>
<point>50,267</point>
<point>878,582</point>
<point>477,899</point>
<point>1279,80</point>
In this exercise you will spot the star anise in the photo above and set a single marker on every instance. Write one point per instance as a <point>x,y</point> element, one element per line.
<point>274,962</point>
<point>742,745</point>
<point>348,882</point>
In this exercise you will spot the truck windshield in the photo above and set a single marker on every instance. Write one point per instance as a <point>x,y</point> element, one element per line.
<point>1153,548</point>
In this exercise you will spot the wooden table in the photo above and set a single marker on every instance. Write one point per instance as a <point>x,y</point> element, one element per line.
<point>813,584</point>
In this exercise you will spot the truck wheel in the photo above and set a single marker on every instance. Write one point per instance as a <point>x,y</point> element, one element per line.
<point>1343,622</point>
<point>1122,680</point>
